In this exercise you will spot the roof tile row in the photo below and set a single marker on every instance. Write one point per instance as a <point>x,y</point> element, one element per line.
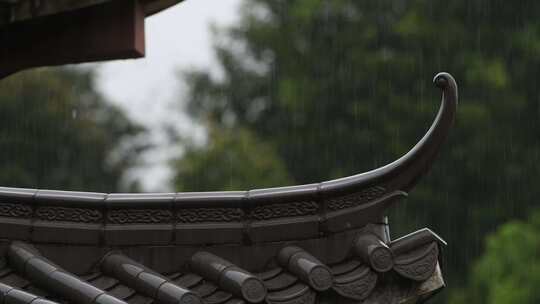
<point>210,279</point>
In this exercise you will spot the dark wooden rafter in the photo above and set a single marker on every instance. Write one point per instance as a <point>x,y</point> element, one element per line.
<point>155,6</point>
<point>22,10</point>
<point>57,32</point>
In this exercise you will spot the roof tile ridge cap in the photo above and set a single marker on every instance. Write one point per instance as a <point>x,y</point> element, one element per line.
<point>77,286</point>
<point>426,235</point>
<point>111,262</point>
<point>23,296</point>
<point>242,283</point>
<point>423,151</point>
<point>315,273</point>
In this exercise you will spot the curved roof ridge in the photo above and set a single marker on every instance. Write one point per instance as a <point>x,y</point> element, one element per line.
<point>399,175</point>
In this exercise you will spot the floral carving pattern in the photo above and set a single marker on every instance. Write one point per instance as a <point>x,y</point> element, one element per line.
<point>381,259</point>
<point>83,215</point>
<point>422,266</point>
<point>358,289</point>
<point>139,216</point>
<point>205,215</point>
<point>254,290</point>
<point>321,278</point>
<point>356,199</point>
<point>15,210</point>
<point>284,210</point>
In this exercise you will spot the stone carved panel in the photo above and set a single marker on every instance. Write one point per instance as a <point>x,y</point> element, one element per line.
<point>83,215</point>
<point>356,199</point>
<point>205,215</point>
<point>15,210</point>
<point>274,211</point>
<point>139,216</point>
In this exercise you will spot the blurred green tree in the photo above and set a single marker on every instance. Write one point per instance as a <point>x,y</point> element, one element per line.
<point>232,159</point>
<point>343,86</point>
<point>58,132</point>
<point>509,271</point>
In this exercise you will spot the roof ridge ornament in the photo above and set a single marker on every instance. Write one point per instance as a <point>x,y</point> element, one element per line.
<point>404,172</point>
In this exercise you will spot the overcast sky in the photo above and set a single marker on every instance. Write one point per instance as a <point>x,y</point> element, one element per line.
<point>178,38</point>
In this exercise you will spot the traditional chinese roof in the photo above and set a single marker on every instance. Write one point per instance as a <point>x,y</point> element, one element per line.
<point>280,245</point>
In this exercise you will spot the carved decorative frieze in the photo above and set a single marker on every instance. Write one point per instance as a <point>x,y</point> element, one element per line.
<point>273,211</point>
<point>84,215</point>
<point>15,210</point>
<point>139,216</point>
<point>356,199</point>
<point>205,215</point>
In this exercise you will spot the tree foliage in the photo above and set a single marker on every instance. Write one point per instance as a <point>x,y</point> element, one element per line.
<point>58,132</point>
<point>340,87</point>
<point>509,271</point>
<point>232,160</point>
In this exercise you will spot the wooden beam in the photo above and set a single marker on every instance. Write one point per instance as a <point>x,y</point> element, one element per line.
<point>12,11</point>
<point>112,30</point>
<point>29,9</point>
